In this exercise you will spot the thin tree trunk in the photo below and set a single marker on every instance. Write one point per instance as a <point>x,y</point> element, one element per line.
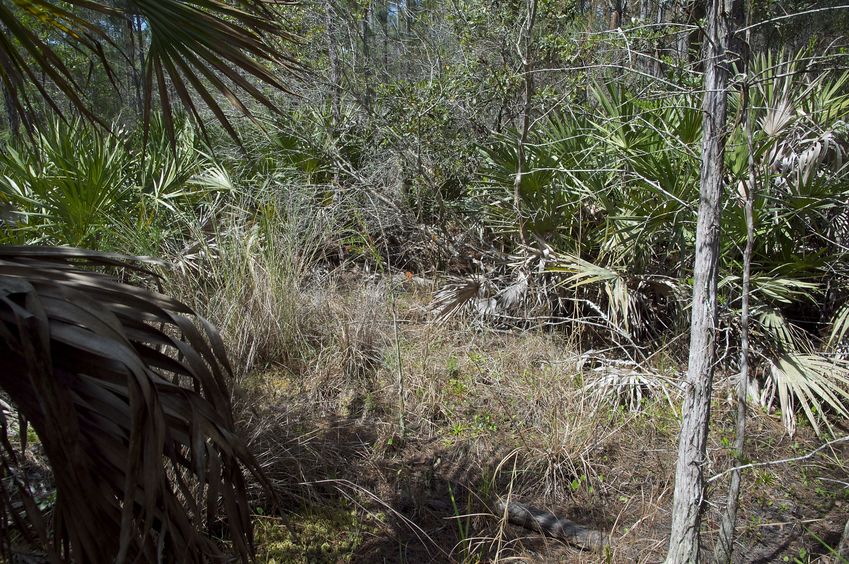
<point>692,445</point>
<point>384,21</point>
<point>725,544</point>
<point>658,46</point>
<point>134,71</point>
<point>616,8</point>
<point>11,105</point>
<point>333,56</point>
<point>644,10</point>
<point>682,38</point>
<point>367,70</point>
<point>525,52</point>
<point>140,55</point>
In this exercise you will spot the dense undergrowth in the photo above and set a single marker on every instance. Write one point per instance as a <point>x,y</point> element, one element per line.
<point>407,352</point>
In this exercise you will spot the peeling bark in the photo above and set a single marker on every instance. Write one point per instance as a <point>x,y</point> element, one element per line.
<point>692,446</point>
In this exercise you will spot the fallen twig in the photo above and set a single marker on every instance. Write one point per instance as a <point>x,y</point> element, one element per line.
<point>782,461</point>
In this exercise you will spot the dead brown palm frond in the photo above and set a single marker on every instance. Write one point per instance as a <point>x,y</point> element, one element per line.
<point>200,47</point>
<point>129,394</point>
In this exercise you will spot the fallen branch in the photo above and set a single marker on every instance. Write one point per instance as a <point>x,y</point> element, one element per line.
<point>782,461</point>
<point>550,524</point>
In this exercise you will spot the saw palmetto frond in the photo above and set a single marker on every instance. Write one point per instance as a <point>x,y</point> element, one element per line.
<point>129,393</point>
<point>195,49</point>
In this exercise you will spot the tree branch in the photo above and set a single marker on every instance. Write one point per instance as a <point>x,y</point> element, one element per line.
<point>782,461</point>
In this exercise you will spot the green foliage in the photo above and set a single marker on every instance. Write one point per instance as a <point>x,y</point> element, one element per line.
<point>612,189</point>
<point>67,186</point>
<point>202,48</point>
<point>78,186</point>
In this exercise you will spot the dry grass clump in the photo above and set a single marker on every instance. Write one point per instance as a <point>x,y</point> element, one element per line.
<point>248,269</point>
<point>513,410</point>
<point>524,391</point>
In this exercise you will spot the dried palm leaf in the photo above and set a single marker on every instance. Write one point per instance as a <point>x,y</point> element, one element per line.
<point>817,384</point>
<point>625,383</point>
<point>129,393</point>
<point>454,296</point>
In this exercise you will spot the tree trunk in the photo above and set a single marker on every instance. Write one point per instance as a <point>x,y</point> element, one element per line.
<point>9,90</point>
<point>658,45</point>
<point>725,544</point>
<point>333,56</point>
<point>617,8</point>
<point>367,68</point>
<point>134,72</point>
<point>524,45</point>
<point>692,445</point>
<point>11,111</point>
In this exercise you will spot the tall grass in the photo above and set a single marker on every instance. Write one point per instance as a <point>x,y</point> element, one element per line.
<point>250,268</point>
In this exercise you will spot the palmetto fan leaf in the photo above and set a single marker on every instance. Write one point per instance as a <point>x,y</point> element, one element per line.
<point>818,385</point>
<point>68,188</point>
<point>201,47</point>
<point>129,393</point>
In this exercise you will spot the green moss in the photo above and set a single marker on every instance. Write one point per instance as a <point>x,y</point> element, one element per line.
<point>329,535</point>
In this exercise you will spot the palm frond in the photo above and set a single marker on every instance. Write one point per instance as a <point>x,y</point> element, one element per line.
<point>839,326</point>
<point>203,47</point>
<point>777,118</point>
<point>454,296</point>
<point>625,383</point>
<point>582,273</point>
<point>816,384</point>
<point>67,186</point>
<point>129,393</point>
<point>774,287</point>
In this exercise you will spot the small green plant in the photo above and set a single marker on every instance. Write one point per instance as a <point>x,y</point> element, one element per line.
<point>765,478</point>
<point>456,387</point>
<point>578,482</point>
<point>32,436</point>
<point>824,492</point>
<point>484,422</point>
<point>329,535</point>
<point>464,523</point>
<point>452,365</point>
<point>458,429</point>
<point>803,556</point>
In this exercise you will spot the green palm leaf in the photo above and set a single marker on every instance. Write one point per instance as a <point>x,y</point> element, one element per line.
<point>69,185</point>
<point>208,47</point>
<point>839,326</point>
